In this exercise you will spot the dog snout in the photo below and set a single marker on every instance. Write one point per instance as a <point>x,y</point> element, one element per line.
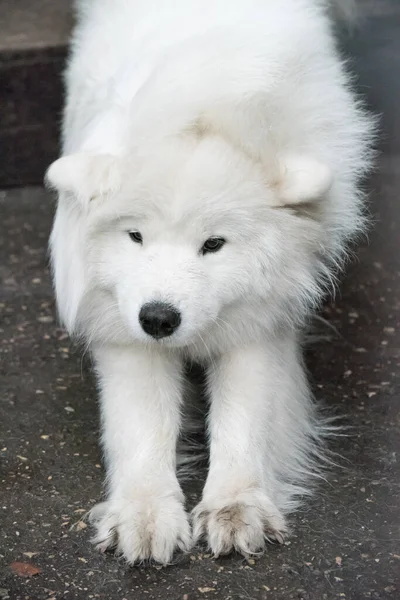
<point>159,319</point>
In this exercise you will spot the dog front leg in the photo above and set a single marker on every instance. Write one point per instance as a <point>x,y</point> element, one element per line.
<point>141,393</point>
<point>250,392</point>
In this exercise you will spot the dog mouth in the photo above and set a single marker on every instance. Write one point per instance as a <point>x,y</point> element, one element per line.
<point>180,338</point>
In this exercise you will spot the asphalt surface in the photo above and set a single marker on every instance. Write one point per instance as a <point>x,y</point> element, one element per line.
<point>345,544</point>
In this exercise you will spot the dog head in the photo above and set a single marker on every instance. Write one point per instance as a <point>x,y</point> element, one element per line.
<point>165,246</point>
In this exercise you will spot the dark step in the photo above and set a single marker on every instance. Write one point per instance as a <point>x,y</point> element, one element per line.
<point>33,42</point>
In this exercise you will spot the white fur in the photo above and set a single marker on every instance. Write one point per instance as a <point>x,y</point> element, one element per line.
<point>187,120</point>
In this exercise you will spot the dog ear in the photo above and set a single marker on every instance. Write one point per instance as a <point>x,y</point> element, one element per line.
<point>85,176</point>
<point>302,180</point>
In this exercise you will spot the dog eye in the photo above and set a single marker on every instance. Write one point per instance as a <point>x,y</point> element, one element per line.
<point>212,245</point>
<point>136,236</point>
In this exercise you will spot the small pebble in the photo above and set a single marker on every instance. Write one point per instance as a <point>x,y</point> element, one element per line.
<point>45,319</point>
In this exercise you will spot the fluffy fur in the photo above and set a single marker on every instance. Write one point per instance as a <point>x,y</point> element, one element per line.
<point>188,120</point>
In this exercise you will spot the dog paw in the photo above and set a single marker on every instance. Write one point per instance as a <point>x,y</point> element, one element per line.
<point>142,528</point>
<point>242,523</point>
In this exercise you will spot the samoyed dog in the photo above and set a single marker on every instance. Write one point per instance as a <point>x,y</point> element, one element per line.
<point>208,186</point>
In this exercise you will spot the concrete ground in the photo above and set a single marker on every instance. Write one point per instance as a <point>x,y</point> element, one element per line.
<point>345,544</point>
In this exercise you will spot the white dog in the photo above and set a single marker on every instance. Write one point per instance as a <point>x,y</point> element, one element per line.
<point>208,186</point>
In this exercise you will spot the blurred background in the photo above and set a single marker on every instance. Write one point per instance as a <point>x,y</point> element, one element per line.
<point>346,543</point>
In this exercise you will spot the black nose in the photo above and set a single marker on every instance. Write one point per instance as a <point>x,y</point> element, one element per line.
<point>158,319</point>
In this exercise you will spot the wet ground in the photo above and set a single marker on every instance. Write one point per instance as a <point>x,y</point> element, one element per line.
<point>346,544</point>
